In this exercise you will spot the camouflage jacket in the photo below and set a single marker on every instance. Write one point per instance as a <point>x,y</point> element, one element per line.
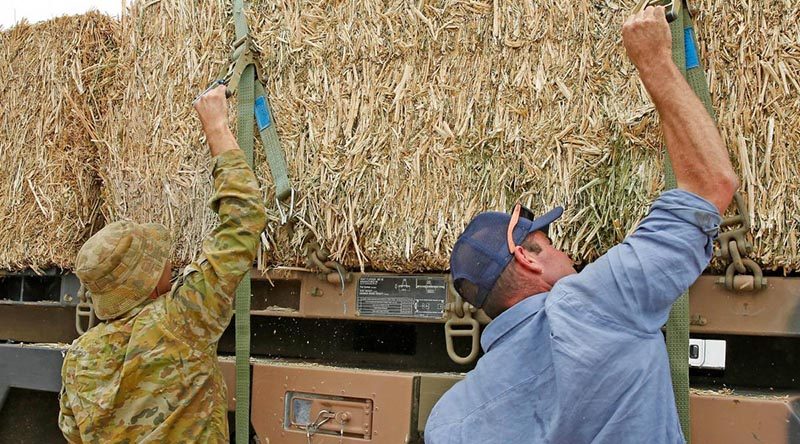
<point>152,376</point>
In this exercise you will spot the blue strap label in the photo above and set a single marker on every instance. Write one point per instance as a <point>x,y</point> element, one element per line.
<point>691,51</point>
<point>263,119</point>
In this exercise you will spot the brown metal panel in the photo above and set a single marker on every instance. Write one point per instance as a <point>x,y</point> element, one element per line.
<point>743,419</point>
<point>320,299</point>
<point>390,394</point>
<point>37,322</point>
<point>773,311</point>
<point>228,368</point>
<point>431,388</point>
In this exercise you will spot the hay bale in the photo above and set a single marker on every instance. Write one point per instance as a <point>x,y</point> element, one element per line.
<point>753,59</point>
<point>401,120</point>
<point>154,165</point>
<point>55,75</point>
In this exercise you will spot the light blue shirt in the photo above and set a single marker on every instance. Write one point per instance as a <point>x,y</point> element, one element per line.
<point>586,362</point>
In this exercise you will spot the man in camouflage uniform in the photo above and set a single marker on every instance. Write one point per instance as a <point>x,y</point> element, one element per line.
<point>149,374</point>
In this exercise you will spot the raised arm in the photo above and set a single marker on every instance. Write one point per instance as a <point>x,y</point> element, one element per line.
<point>635,283</point>
<point>699,158</point>
<point>212,110</point>
<point>201,308</point>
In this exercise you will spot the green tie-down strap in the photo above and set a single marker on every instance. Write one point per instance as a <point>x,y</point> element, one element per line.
<point>272,146</point>
<point>685,55</point>
<point>253,108</point>
<point>244,136</point>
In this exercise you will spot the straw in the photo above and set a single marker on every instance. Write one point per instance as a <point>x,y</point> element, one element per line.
<point>55,76</point>
<point>402,120</point>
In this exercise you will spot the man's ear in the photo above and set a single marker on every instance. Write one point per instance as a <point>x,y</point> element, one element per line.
<point>527,260</point>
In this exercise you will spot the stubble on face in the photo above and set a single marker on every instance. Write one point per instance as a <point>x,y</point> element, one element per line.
<point>555,263</point>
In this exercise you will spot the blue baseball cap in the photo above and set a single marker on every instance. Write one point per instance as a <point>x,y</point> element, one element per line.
<point>481,253</point>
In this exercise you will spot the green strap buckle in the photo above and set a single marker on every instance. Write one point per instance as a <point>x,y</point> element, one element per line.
<point>242,55</point>
<point>674,11</point>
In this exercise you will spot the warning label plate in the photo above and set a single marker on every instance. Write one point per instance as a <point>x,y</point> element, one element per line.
<point>401,296</point>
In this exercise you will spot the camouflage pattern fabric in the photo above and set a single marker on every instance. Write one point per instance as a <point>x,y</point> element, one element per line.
<point>152,375</point>
<point>121,264</point>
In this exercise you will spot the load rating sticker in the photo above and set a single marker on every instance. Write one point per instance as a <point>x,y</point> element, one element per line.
<point>401,296</point>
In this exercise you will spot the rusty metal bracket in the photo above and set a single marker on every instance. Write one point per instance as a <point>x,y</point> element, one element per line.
<point>330,271</point>
<point>742,274</point>
<point>744,282</point>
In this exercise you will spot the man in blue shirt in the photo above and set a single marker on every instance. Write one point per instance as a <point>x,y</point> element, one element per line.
<point>579,357</point>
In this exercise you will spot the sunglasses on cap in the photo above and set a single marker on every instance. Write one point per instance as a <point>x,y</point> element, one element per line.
<point>519,211</point>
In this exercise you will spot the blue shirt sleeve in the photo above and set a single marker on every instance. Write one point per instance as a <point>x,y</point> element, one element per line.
<point>636,282</point>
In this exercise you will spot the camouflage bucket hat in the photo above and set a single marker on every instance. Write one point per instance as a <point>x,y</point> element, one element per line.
<point>121,264</point>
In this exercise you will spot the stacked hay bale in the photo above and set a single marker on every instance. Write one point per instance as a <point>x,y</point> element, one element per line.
<point>399,124</point>
<point>402,120</point>
<point>154,165</point>
<point>752,51</point>
<point>55,76</point>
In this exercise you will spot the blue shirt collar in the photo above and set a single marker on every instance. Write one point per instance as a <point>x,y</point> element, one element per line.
<point>510,319</point>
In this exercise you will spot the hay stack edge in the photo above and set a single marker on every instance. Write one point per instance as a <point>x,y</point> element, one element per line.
<point>399,121</point>
<point>56,76</point>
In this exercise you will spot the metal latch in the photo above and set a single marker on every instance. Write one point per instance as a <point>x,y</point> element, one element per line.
<point>243,54</point>
<point>329,415</point>
<point>673,7</point>
<point>464,321</point>
<point>84,309</point>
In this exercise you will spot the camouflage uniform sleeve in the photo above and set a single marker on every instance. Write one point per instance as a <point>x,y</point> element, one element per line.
<point>201,308</point>
<point>66,419</point>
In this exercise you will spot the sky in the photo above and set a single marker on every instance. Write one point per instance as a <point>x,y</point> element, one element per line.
<point>12,11</point>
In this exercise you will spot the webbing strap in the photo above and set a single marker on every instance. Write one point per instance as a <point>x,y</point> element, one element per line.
<point>678,323</point>
<point>272,146</point>
<point>684,53</point>
<point>244,137</point>
<point>239,19</point>
<point>253,107</point>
